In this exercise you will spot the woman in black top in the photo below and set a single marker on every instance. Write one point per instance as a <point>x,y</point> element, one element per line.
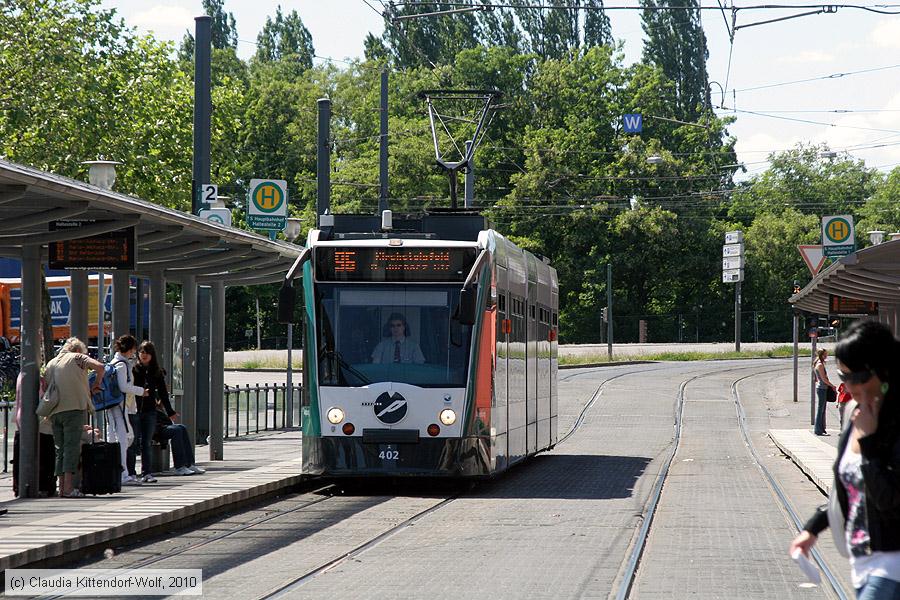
<point>864,505</point>
<point>149,374</point>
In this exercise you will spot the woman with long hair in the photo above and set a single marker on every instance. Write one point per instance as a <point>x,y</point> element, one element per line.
<point>823,385</point>
<point>863,507</point>
<point>149,374</point>
<point>116,416</point>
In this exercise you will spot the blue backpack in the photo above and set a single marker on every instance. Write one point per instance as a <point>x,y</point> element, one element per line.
<point>109,395</point>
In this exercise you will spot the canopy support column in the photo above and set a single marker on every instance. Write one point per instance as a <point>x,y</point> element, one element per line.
<point>121,306</point>
<point>158,312</point>
<point>31,370</point>
<point>217,373</point>
<point>78,305</point>
<point>189,400</point>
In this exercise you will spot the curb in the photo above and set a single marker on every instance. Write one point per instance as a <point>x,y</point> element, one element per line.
<point>209,495</point>
<point>792,452</point>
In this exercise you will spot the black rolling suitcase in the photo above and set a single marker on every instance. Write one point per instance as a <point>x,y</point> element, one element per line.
<point>101,469</point>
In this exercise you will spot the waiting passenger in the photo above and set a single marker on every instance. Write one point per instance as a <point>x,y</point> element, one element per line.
<point>397,348</point>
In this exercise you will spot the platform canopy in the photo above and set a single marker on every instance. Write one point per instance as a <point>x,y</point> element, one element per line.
<point>170,242</point>
<point>870,275</point>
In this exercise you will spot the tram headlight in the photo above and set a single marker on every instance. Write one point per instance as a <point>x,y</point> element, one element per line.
<point>448,417</point>
<point>335,415</point>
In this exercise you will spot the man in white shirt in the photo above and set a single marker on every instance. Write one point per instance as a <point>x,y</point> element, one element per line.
<point>397,347</point>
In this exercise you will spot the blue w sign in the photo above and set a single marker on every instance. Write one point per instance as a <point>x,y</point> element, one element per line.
<point>633,123</point>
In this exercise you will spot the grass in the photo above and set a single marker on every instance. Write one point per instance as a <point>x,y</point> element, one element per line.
<point>777,352</point>
<point>785,351</point>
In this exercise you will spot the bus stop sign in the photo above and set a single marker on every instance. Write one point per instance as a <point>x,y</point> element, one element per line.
<point>267,204</point>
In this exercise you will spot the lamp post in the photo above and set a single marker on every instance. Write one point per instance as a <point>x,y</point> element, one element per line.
<point>876,236</point>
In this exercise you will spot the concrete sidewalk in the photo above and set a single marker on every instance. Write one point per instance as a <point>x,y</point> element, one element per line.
<point>37,530</point>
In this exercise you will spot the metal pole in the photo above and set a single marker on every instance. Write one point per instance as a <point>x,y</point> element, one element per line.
<point>78,305</point>
<point>323,157</point>
<point>158,313</point>
<point>454,178</point>
<point>121,305</point>
<point>139,309</point>
<point>469,194</point>
<point>189,340</point>
<point>258,327</point>
<point>756,326</point>
<point>383,151</point>
<point>812,386</point>
<point>217,374</point>
<point>609,311</point>
<point>737,317</point>
<point>202,106</point>
<point>31,370</point>
<point>289,399</point>
<point>796,354</point>
<point>101,314</point>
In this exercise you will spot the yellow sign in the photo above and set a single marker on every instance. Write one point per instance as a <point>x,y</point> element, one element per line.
<point>838,230</point>
<point>268,197</point>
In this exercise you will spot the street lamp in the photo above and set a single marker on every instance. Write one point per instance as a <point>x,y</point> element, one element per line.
<point>894,236</point>
<point>876,236</point>
<point>102,173</point>
<point>292,229</point>
<point>828,154</point>
<point>655,159</point>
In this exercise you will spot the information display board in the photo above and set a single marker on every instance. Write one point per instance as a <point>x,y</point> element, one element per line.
<point>845,307</point>
<point>393,264</point>
<point>108,251</point>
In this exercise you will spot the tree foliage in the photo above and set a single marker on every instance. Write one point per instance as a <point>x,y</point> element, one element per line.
<point>285,38</point>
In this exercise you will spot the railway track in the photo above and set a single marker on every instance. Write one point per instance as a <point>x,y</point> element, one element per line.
<point>629,574</point>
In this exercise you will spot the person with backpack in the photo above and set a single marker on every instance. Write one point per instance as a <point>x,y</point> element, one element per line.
<point>116,417</point>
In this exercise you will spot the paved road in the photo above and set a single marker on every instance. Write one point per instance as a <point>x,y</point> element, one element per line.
<point>560,526</point>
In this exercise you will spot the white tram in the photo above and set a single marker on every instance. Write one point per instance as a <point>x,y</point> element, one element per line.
<point>432,348</point>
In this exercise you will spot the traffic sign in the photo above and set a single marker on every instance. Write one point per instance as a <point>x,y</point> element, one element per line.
<point>732,250</point>
<point>734,237</point>
<point>813,256</point>
<point>209,195</point>
<point>838,236</point>
<point>732,262</point>
<point>221,216</point>
<point>732,275</point>
<point>267,204</point>
<point>633,123</point>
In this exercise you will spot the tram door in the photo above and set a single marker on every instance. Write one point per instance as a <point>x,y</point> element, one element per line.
<point>531,369</point>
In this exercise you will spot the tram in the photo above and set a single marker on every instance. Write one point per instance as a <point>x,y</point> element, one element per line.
<point>432,344</point>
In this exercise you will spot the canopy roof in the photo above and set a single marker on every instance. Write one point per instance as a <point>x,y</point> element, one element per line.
<point>169,241</point>
<point>871,274</point>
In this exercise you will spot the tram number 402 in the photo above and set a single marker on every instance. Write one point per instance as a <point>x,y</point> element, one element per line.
<point>389,455</point>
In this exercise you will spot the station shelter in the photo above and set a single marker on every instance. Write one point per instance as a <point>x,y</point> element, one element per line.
<point>39,209</point>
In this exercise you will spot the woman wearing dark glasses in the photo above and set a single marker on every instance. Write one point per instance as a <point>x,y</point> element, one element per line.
<point>863,508</point>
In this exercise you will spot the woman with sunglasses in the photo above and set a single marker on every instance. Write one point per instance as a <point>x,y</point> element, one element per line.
<point>823,388</point>
<point>863,507</point>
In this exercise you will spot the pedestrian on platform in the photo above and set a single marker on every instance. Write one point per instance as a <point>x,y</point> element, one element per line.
<point>843,397</point>
<point>863,508</point>
<point>155,408</point>
<point>68,371</point>
<point>116,416</point>
<point>824,387</point>
<point>46,448</point>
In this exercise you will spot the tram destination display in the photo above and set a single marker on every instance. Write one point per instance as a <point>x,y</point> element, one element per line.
<point>108,251</point>
<point>393,264</point>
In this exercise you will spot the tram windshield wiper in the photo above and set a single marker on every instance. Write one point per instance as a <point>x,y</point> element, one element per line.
<point>347,366</point>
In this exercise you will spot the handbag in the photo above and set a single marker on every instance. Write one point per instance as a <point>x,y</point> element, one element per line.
<point>830,394</point>
<point>49,401</point>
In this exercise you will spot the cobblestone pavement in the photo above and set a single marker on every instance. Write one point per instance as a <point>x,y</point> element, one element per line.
<point>561,525</point>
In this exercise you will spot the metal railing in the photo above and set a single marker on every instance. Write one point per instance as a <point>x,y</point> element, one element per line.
<point>254,408</point>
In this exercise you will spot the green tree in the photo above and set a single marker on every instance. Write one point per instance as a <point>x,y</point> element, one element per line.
<point>432,40</point>
<point>555,33</point>
<point>285,38</point>
<point>676,44</point>
<point>223,32</point>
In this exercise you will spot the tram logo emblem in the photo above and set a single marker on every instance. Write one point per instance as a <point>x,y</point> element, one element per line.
<point>390,408</point>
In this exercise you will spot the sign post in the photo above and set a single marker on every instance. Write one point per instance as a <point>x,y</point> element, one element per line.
<point>838,236</point>
<point>267,204</point>
<point>733,272</point>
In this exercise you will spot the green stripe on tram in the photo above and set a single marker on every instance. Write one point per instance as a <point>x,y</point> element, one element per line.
<point>311,425</point>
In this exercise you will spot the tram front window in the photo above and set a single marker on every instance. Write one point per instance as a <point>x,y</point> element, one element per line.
<point>404,334</point>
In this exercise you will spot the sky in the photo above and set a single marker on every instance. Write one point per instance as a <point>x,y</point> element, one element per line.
<point>819,47</point>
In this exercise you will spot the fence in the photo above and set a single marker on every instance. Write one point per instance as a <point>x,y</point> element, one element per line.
<point>258,408</point>
<point>248,410</point>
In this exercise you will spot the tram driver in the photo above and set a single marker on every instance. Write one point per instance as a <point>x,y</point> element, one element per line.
<point>397,347</point>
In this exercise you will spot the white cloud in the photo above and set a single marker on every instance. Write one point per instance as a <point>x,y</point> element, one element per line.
<point>166,21</point>
<point>807,57</point>
<point>886,34</point>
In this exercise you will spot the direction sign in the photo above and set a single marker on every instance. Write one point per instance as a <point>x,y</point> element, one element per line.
<point>734,237</point>
<point>732,275</point>
<point>838,236</point>
<point>813,256</point>
<point>732,250</point>
<point>221,216</point>
<point>267,204</point>
<point>633,123</point>
<point>732,262</point>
